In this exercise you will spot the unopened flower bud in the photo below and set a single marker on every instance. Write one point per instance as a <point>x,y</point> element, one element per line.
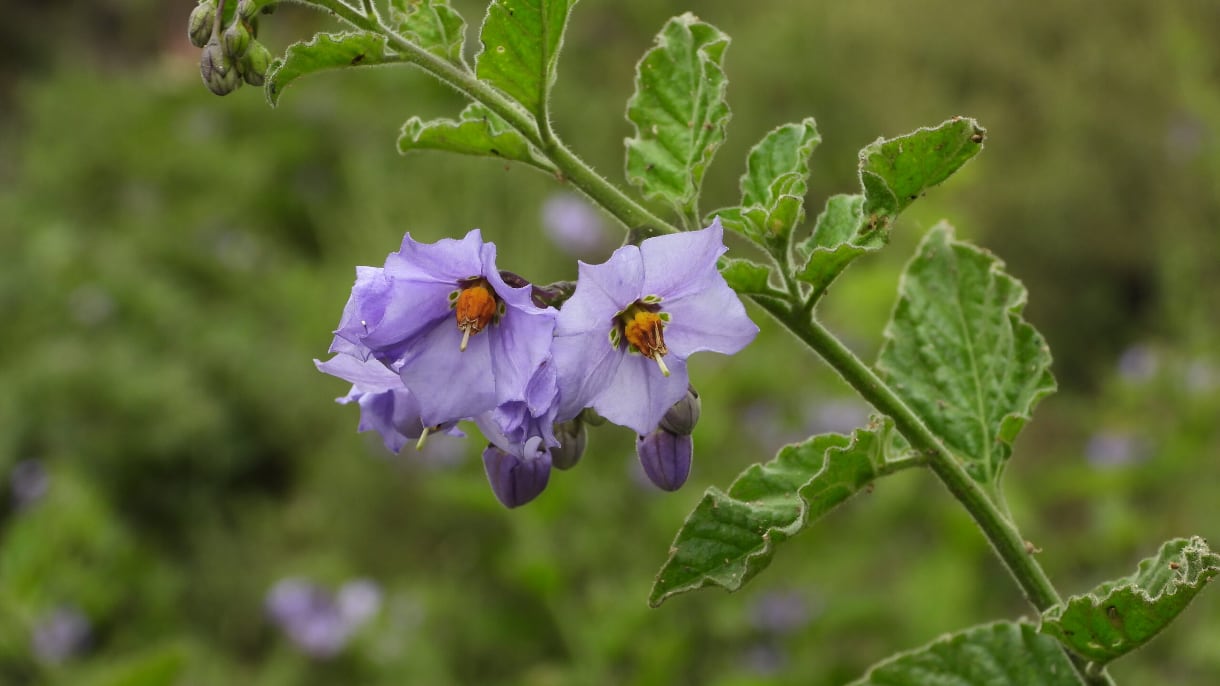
<point>516,480</point>
<point>684,415</point>
<point>666,458</point>
<point>254,64</point>
<point>572,438</point>
<point>199,26</point>
<point>218,71</point>
<point>236,39</point>
<point>246,9</point>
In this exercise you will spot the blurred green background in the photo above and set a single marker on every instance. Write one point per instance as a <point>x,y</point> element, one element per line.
<point>176,475</point>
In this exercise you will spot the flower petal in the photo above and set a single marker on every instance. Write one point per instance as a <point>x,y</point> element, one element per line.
<point>450,383</point>
<point>520,343</point>
<point>369,376</point>
<point>679,264</point>
<point>712,319</point>
<point>638,395</point>
<point>448,260</point>
<point>602,291</point>
<point>585,364</point>
<point>413,308</point>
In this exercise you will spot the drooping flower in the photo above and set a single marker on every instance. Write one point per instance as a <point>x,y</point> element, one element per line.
<point>441,315</point>
<point>517,471</point>
<point>386,406</point>
<point>622,339</point>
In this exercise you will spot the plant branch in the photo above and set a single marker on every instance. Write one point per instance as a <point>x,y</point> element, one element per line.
<point>995,524</point>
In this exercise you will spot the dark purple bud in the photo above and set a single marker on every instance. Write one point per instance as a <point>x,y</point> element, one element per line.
<point>572,438</point>
<point>199,26</point>
<point>684,415</point>
<point>516,480</point>
<point>218,71</point>
<point>666,458</point>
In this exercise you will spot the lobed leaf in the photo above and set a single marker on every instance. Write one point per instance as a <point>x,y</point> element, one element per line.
<point>783,151</point>
<point>432,25</point>
<point>521,43</point>
<point>746,276</point>
<point>1000,654</point>
<point>957,350</point>
<point>478,131</point>
<point>678,110</point>
<point>838,237</point>
<point>1122,615</point>
<point>895,172</point>
<point>325,51</point>
<point>730,537</point>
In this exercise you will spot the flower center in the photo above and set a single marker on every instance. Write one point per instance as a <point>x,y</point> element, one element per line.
<point>643,326</point>
<point>476,306</point>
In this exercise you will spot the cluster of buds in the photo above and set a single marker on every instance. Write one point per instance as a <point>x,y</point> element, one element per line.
<point>440,335</point>
<point>231,55</point>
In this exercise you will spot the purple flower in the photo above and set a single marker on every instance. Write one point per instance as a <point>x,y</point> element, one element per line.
<point>517,471</point>
<point>622,339</point>
<point>321,623</point>
<point>29,482</point>
<point>666,458</point>
<point>386,406</point>
<point>441,316</point>
<point>573,224</point>
<point>60,635</point>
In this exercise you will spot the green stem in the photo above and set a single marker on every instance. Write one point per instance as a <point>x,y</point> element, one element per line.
<point>634,216</point>
<point>991,518</point>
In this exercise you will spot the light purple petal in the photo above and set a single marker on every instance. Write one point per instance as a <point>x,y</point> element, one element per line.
<point>602,291</point>
<point>369,376</point>
<point>677,265</point>
<point>449,383</point>
<point>638,395</point>
<point>364,309</point>
<point>585,364</point>
<point>448,260</point>
<point>712,319</point>
<point>413,308</point>
<point>520,343</point>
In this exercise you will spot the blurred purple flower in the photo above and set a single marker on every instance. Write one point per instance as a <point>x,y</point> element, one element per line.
<point>574,225</point>
<point>319,622</point>
<point>1138,363</point>
<point>781,612</point>
<point>59,635</point>
<point>836,416</point>
<point>1108,449</point>
<point>29,482</point>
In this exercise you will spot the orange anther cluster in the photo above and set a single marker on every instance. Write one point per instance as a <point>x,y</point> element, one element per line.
<point>474,309</point>
<point>644,330</point>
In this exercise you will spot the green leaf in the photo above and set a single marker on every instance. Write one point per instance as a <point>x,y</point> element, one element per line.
<point>1121,615</point>
<point>784,151</point>
<point>478,131</point>
<point>730,537</point>
<point>325,51</point>
<point>839,237</point>
<point>521,43</point>
<point>895,172</point>
<point>958,352</point>
<point>431,24</point>
<point>678,110</point>
<point>746,277</point>
<point>1000,654</point>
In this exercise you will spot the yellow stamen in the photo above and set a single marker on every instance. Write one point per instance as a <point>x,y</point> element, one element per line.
<point>474,309</point>
<point>423,438</point>
<point>645,330</point>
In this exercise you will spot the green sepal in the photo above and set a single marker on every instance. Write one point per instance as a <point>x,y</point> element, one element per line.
<point>1121,615</point>
<point>326,51</point>
<point>679,111</point>
<point>958,352</point>
<point>432,25</point>
<point>999,654</point>
<point>477,131</point>
<point>730,537</point>
<point>521,43</point>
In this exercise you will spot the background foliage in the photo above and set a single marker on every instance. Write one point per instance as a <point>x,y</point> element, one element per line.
<point>171,262</point>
